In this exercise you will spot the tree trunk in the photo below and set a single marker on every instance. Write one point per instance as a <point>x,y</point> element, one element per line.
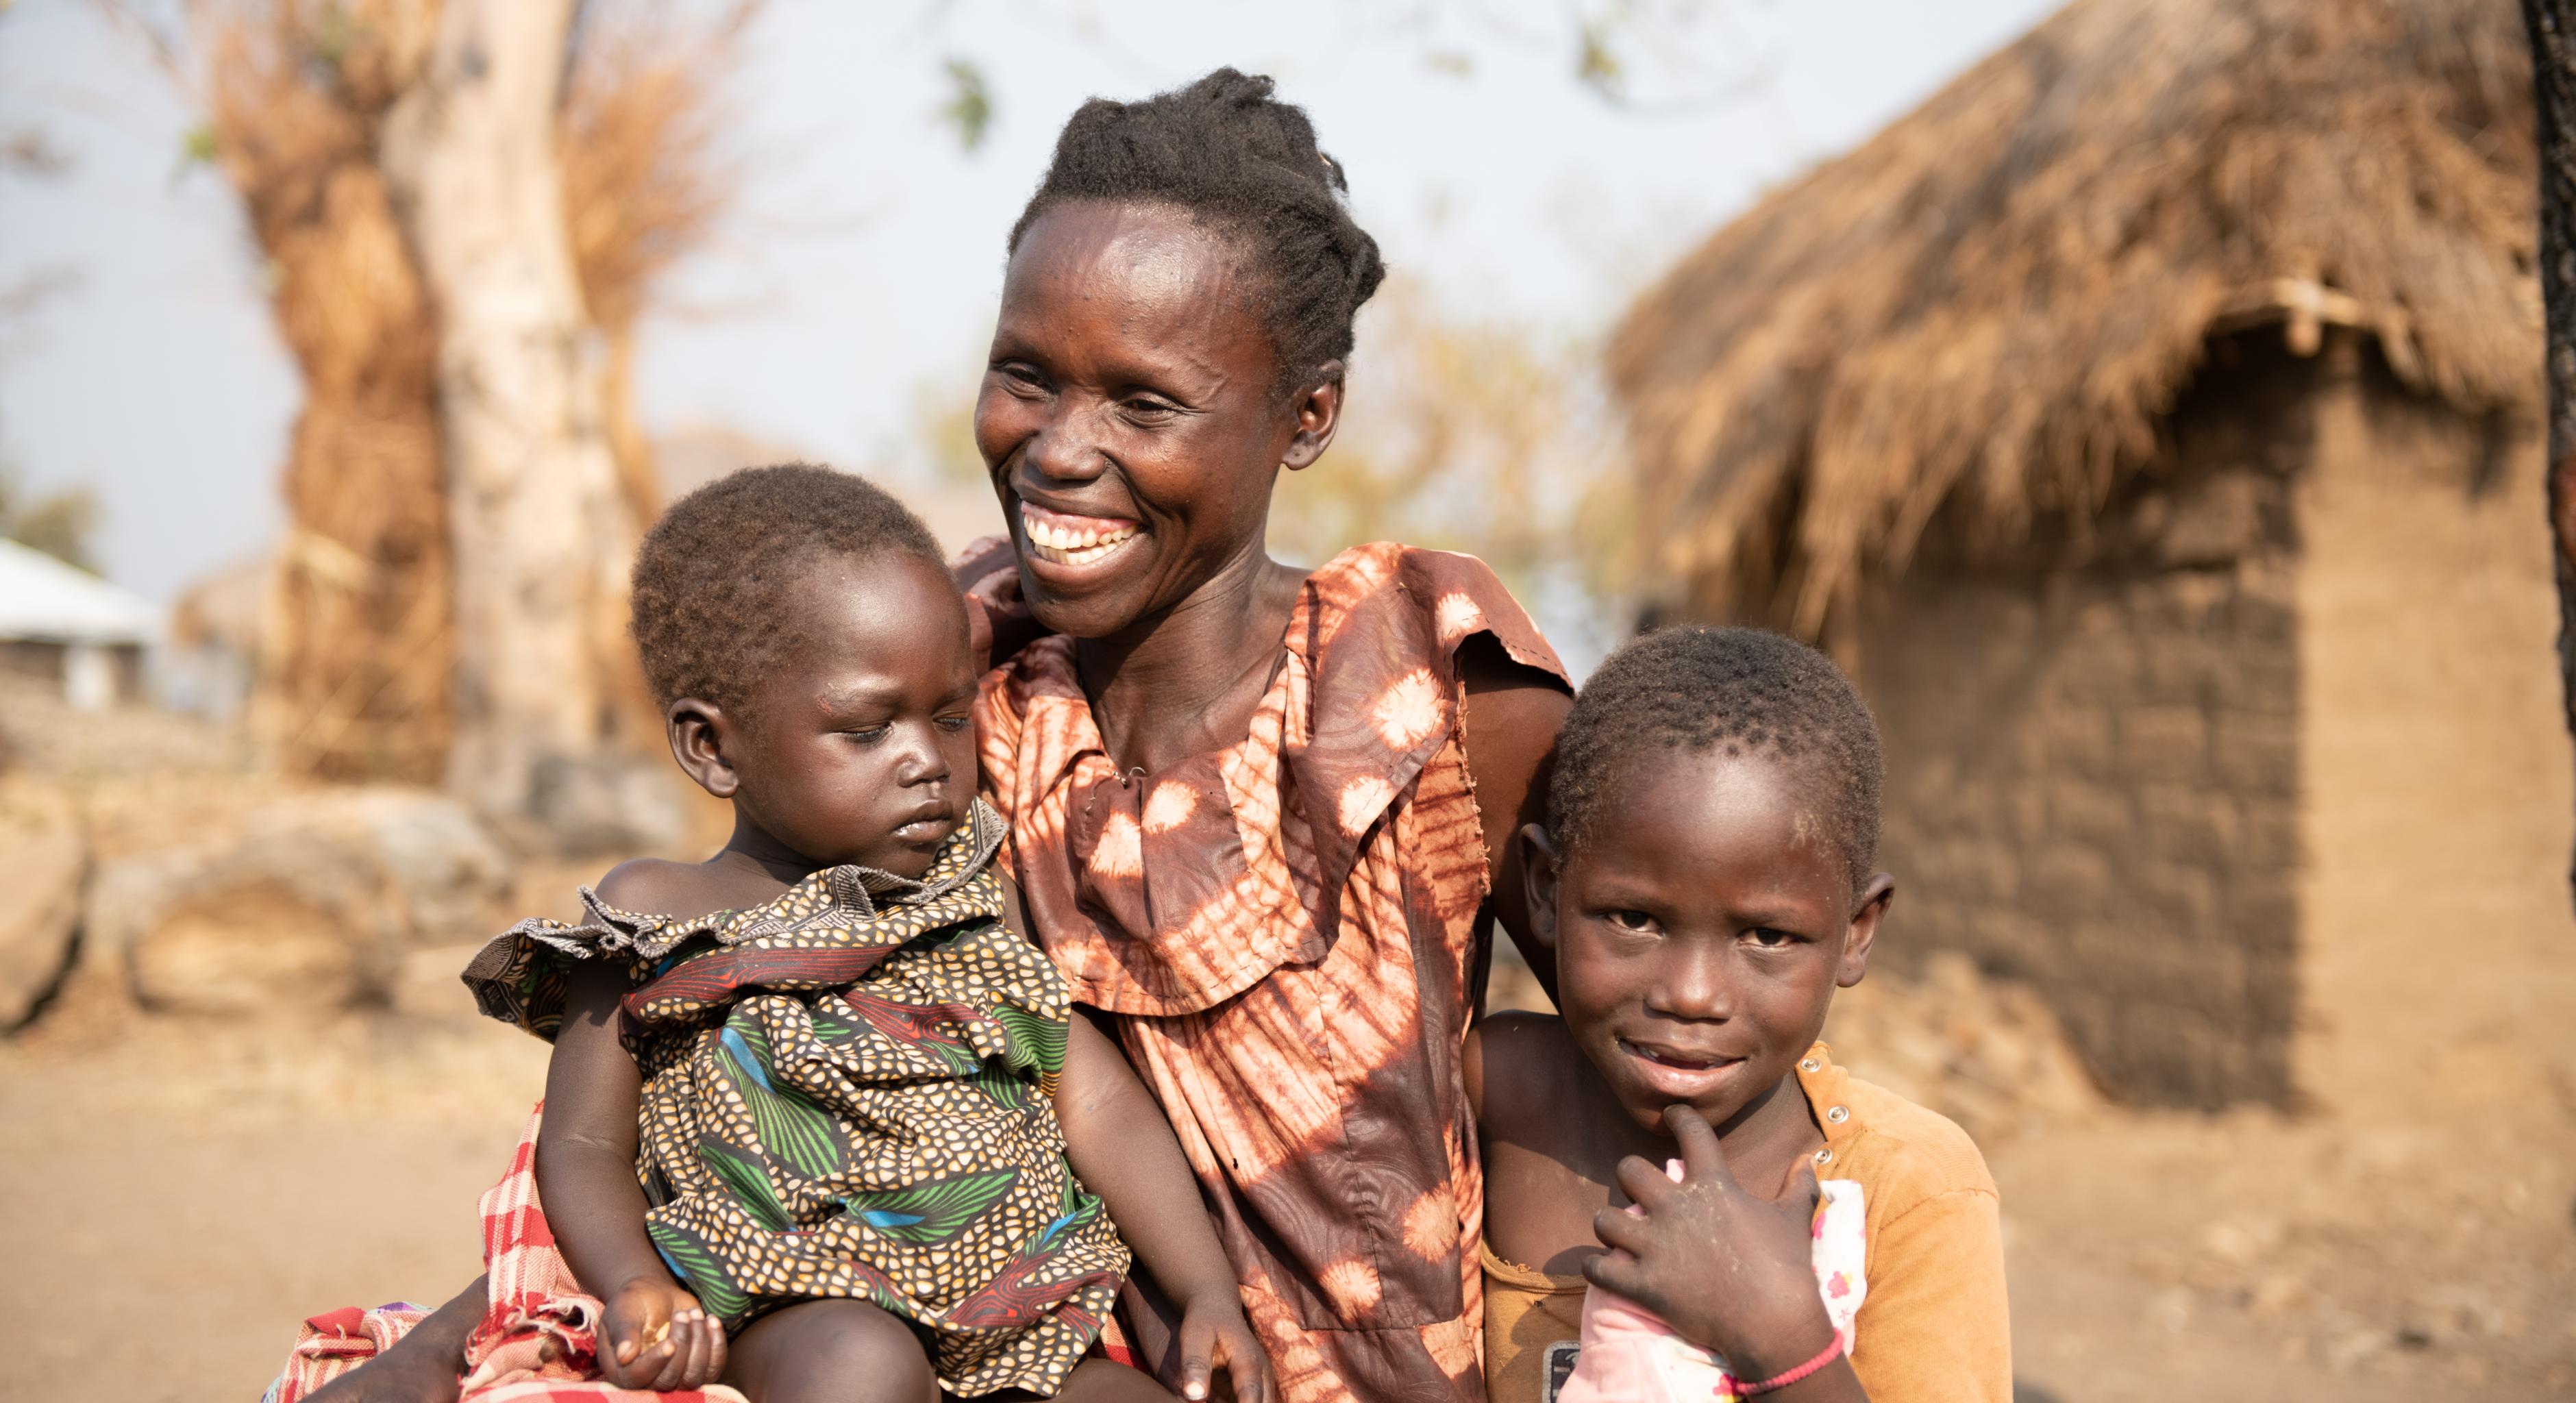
<point>538,521</point>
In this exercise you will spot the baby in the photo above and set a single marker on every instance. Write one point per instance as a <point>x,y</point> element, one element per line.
<point>819,1123</point>
<point>1704,879</point>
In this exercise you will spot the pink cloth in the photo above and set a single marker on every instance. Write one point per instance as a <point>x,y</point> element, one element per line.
<point>1631,1355</point>
<point>537,1339</point>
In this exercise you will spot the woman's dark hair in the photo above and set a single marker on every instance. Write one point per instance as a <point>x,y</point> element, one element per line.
<point>712,575</point>
<point>1247,165</point>
<point>1748,691</point>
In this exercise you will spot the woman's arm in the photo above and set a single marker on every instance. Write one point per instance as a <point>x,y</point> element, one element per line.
<point>653,1334</point>
<point>1123,1150</point>
<point>1513,715</point>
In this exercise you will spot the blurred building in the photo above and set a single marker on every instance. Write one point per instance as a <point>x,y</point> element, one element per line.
<point>69,627</point>
<point>2151,419</point>
<point>212,661</point>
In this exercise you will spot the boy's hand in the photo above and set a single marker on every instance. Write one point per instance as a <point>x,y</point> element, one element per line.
<point>654,1335</point>
<point>1728,1270</point>
<point>1214,1332</point>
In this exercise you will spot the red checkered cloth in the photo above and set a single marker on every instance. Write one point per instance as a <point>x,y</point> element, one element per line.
<point>538,1342</point>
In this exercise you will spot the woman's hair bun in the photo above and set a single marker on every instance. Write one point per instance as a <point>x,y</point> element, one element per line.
<point>1232,154</point>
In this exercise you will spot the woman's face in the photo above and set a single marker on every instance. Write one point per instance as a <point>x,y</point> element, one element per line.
<point>1130,414</point>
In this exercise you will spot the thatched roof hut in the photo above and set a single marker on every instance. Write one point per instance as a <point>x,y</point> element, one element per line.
<point>2150,418</point>
<point>1979,318</point>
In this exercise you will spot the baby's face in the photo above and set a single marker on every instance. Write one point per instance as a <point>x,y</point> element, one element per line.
<point>860,748</point>
<point>1700,932</point>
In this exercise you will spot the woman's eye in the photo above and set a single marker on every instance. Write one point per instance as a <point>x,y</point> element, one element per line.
<point>1151,411</point>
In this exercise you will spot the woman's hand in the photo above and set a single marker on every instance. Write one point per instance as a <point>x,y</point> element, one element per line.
<point>655,1335</point>
<point>1214,1333</point>
<point>1728,1270</point>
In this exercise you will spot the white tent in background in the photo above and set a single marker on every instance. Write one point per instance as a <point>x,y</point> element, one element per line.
<point>66,624</point>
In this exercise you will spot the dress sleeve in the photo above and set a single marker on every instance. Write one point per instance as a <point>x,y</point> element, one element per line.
<point>519,975</point>
<point>1935,1327</point>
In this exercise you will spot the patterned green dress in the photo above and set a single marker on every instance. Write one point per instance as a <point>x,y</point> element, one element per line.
<point>848,1092</point>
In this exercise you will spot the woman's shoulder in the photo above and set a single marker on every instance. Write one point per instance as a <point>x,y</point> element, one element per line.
<point>1456,596</point>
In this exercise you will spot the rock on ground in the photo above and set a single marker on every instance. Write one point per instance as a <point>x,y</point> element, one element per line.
<point>39,913</point>
<point>314,903</point>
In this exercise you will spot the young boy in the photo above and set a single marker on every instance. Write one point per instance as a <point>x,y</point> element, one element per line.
<point>1704,879</point>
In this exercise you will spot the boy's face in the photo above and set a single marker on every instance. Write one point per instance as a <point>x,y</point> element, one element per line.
<point>1701,930</point>
<point>860,748</point>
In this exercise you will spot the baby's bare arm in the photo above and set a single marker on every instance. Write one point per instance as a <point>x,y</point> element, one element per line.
<point>1123,1149</point>
<point>653,1333</point>
<point>586,1147</point>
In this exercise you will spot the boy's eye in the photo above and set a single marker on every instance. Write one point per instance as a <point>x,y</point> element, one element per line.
<point>1770,939</point>
<point>1632,920</point>
<point>952,723</point>
<point>867,733</point>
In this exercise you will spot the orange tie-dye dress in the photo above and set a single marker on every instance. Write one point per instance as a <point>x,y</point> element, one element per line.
<point>1287,932</point>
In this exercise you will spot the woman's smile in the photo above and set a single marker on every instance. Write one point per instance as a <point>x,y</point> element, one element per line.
<point>1063,538</point>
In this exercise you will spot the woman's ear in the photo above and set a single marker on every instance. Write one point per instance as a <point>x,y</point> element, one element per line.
<point>1538,882</point>
<point>699,732</point>
<point>1318,408</point>
<point>1872,909</point>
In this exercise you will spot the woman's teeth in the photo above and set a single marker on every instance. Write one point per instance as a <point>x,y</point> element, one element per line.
<point>1066,543</point>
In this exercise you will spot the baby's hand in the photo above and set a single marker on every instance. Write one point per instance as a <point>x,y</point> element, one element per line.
<point>1726,1269</point>
<point>654,1335</point>
<point>1214,1333</point>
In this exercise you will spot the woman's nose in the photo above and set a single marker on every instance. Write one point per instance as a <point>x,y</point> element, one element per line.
<point>1065,448</point>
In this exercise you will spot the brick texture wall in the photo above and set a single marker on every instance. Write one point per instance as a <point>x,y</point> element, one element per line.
<point>2094,758</point>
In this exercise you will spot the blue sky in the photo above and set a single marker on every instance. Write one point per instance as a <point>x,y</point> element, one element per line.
<point>859,278</point>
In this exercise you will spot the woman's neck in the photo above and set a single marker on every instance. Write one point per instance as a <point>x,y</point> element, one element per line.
<point>1187,680</point>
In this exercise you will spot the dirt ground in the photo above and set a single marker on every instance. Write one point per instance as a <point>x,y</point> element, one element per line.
<point>181,1194</point>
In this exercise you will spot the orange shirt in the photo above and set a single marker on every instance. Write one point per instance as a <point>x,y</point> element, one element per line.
<point>1286,932</point>
<point>1934,1328</point>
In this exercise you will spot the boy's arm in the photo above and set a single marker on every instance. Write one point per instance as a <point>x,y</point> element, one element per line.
<point>652,1334</point>
<point>1123,1149</point>
<point>1513,716</point>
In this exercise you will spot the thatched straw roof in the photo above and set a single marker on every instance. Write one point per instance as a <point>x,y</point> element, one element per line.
<point>1980,316</point>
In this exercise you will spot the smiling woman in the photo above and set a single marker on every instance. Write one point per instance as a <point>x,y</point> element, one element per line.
<point>1247,820</point>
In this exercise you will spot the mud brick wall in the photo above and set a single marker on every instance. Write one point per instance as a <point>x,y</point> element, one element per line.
<point>2093,768</point>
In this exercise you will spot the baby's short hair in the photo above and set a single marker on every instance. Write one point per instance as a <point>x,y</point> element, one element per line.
<point>711,575</point>
<point>1750,691</point>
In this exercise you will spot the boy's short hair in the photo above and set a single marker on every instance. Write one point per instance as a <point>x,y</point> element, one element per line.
<point>711,575</point>
<point>1753,692</point>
